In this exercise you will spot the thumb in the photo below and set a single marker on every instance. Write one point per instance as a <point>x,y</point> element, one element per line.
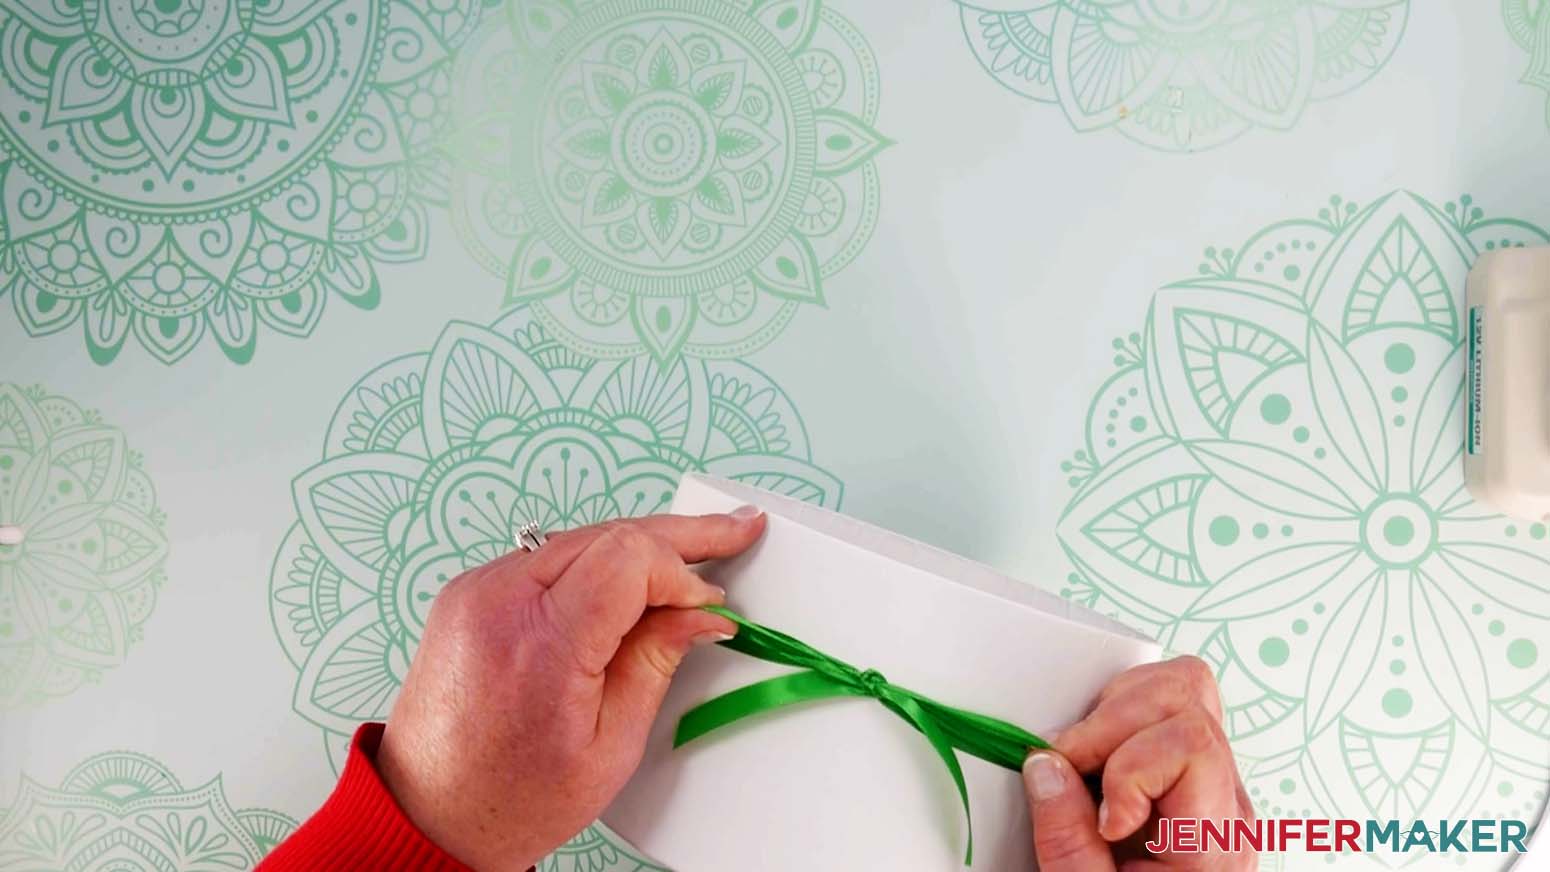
<point>1065,821</point>
<point>637,678</point>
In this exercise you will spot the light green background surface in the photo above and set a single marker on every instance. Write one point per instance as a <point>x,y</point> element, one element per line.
<point>890,276</point>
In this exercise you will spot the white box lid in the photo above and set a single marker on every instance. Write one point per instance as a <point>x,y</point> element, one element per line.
<point>846,784</point>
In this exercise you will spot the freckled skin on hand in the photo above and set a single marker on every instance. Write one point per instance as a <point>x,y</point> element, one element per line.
<point>1156,737</point>
<point>527,705</point>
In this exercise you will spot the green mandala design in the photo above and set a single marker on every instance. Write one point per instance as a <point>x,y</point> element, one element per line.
<point>1273,479</point>
<point>74,594</point>
<point>1528,21</point>
<point>172,168</point>
<point>433,460</point>
<point>671,176</point>
<point>1178,75</point>
<point>596,849</point>
<point>125,812</point>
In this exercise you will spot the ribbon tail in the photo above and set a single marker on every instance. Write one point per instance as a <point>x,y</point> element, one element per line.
<point>755,699</point>
<point>910,709</point>
<point>990,739</point>
<point>760,641</point>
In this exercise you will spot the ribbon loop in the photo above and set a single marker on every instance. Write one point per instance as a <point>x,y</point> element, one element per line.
<point>823,676</point>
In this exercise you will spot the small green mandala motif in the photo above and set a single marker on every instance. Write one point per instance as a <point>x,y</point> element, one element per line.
<point>1273,479</point>
<point>671,176</point>
<point>75,592</point>
<point>1184,75</point>
<point>595,849</point>
<point>124,812</point>
<point>433,460</point>
<point>177,168</point>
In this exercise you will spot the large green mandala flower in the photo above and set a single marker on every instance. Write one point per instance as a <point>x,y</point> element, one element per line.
<point>1183,75</point>
<point>433,460</point>
<point>121,811</point>
<point>1273,479</point>
<point>671,176</point>
<point>171,168</point>
<point>74,594</point>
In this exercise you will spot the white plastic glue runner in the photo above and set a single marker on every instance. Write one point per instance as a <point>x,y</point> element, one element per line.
<point>1507,421</point>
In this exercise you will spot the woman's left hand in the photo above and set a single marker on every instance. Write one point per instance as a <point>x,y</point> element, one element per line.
<point>1156,735</point>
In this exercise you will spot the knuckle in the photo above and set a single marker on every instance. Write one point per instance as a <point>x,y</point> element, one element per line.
<point>1198,730</point>
<point>555,620</point>
<point>628,538</point>
<point>609,534</point>
<point>1061,842</point>
<point>463,579</point>
<point>1128,680</point>
<point>659,660</point>
<point>1197,674</point>
<point>1160,698</point>
<point>723,527</point>
<point>454,605</point>
<point>1121,774</point>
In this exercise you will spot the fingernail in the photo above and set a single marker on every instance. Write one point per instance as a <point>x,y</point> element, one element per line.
<point>1103,815</point>
<point>1042,774</point>
<point>718,592</point>
<point>711,638</point>
<point>746,513</point>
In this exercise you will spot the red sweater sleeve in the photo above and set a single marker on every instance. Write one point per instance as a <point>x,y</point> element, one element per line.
<point>360,828</point>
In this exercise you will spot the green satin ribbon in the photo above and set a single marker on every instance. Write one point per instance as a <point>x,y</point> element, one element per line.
<point>945,727</point>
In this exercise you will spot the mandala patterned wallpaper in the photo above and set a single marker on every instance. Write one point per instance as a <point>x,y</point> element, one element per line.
<point>433,461</point>
<point>1273,480</point>
<point>126,811</point>
<point>588,245</point>
<point>75,594</point>
<point>669,177</point>
<point>1182,76</point>
<point>183,169</point>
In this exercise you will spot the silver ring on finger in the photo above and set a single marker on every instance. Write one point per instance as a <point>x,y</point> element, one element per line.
<point>530,537</point>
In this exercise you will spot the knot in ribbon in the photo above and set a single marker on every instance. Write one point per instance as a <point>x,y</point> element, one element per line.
<point>873,683</point>
<point>823,676</point>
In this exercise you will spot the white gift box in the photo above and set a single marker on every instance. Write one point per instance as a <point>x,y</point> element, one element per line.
<point>845,784</point>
